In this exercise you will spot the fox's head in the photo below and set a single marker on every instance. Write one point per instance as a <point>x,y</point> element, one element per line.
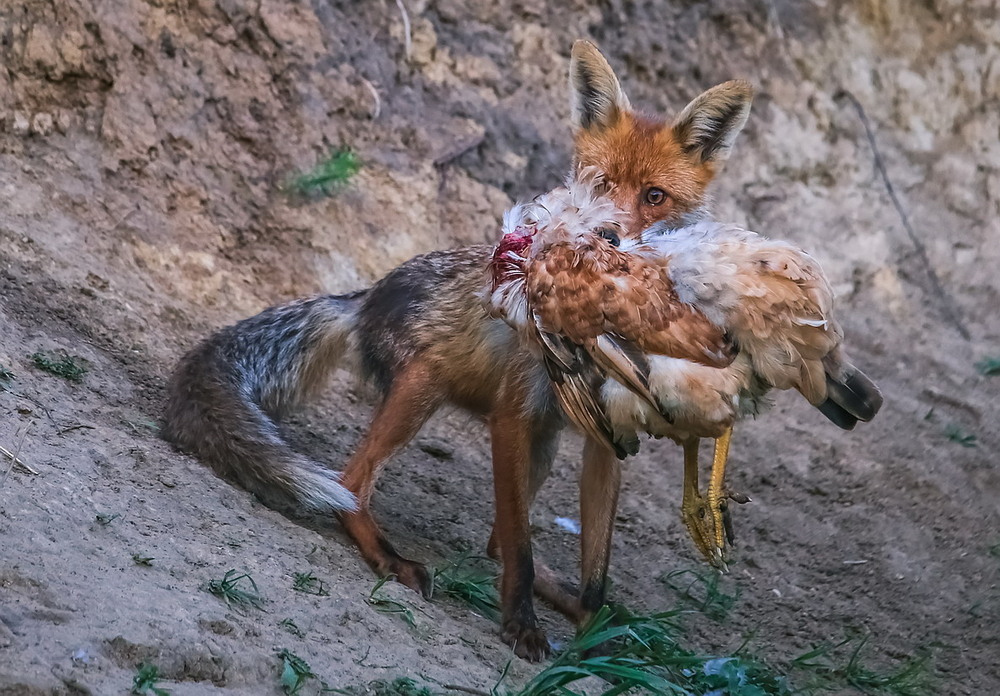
<point>656,170</point>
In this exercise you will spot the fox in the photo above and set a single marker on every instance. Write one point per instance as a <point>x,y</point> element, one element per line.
<point>423,338</point>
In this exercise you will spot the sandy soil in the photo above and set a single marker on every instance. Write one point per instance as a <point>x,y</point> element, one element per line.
<point>144,153</point>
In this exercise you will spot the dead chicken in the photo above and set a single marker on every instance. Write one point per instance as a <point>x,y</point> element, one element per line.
<point>677,334</point>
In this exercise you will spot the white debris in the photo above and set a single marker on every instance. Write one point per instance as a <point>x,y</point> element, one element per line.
<point>569,524</point>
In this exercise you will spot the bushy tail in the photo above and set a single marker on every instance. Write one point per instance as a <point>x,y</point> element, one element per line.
<point>850,395</point>
<point>226,394</point>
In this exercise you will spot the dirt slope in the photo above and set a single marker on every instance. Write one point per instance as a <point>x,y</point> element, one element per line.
<point>145,151</point>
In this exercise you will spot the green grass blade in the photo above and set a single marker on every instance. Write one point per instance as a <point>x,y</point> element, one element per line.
<point>329,176</point>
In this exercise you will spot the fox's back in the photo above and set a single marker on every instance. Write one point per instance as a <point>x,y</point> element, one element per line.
<point>429,309</point>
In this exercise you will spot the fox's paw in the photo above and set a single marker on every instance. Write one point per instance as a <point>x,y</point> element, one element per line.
<point>414,575</point>
<point>529,641</point>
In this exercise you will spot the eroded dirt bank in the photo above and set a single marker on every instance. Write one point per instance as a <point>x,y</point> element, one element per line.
<point>145,152</point>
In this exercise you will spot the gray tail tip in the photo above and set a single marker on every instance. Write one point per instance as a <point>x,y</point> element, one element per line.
<point>322,492</point>
<point>345,501</point>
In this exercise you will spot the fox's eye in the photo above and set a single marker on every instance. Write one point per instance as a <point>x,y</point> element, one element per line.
<point>655,196</point>
<point>611,236</point>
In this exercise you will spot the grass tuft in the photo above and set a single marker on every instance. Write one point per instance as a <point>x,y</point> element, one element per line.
<point>701,592</point>
<point>329,176</point>
<point>400,686</point>
<point>989,367</point>
<point>956,434</point>
<point>307,583</point>
<point>292,628</point>
<point>912,678</point>
<point>141,560</point>
<point>229,589</point>
<point>295,672</point>
<point>384,605</point>
<point>144,682</point>
<point>106,518</point>
<point>6,376</point>
<point>471,579</point>
<point>640,653</point>
<point>60,364</point>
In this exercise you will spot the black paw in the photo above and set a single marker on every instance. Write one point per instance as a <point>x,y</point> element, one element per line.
<point>414,575</point>
<point>527,639</point>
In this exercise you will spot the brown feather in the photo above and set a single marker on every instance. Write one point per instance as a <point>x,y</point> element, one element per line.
<point>584,291</point>
<point>576,382</point>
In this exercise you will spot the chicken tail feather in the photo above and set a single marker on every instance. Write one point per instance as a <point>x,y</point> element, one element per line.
<point>851,397</point>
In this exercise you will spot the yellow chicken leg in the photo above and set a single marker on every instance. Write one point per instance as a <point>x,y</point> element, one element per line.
<point>707,517</point>
<point>699,522</point>
<point>716,497</point>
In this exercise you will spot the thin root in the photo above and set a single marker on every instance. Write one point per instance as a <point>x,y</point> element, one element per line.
<point>377,108</point>
<point>407,32</point>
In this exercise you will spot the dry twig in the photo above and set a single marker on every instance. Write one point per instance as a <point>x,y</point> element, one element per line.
<point>14,457</point>
<point>459,150</point>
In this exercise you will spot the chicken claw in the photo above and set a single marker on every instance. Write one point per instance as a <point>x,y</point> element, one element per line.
<point>707,517</point>
<point>715,485</point>
<point>695,510</point>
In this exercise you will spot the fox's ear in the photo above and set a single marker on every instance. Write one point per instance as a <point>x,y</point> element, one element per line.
<point>597,98</point>
<point>708,126</point>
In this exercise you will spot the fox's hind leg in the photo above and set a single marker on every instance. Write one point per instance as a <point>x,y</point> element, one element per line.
<point>411,400</point>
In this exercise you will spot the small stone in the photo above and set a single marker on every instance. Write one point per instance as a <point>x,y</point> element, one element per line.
<point>21,123</point>
<point>97,282</point>
<point>224,34</point>
<point>72,46</point>
<point>43,123</point>
<point>424,42</point>
<point>436,448</point>
<point>64,120</point>
<point>40,51</point>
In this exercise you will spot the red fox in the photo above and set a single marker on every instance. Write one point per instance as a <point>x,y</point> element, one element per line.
<point>423,337</point>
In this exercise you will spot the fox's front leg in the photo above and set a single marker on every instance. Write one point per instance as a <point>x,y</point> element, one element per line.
<point>510,432</point>
<point>600,481</point>
<point>546,426</point>
<point>408,404</point>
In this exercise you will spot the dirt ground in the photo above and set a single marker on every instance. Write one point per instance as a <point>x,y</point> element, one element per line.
<point>145,151</point>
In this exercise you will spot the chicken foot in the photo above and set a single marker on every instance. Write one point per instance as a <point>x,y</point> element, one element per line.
<point>707,516</point>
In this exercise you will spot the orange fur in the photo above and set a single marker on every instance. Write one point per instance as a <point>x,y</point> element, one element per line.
<point>639,153</point>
